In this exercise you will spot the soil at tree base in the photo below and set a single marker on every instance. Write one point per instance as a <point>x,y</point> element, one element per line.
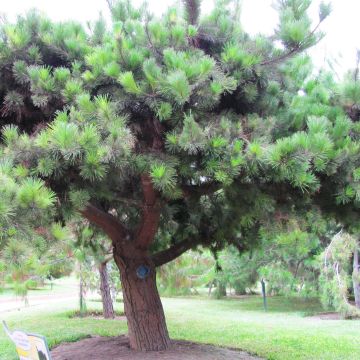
<point>117,348</point>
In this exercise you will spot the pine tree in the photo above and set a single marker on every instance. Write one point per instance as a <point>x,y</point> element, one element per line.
<point>96,253</point>
<point>335,275</point>
<point>169,132</point>
<point>343,177</point>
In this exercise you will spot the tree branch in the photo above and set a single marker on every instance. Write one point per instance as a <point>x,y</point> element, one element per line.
<point>157,52</point>
<point>282,57</point>
<point>165,256</point>
<point>150,214</point>
<point>297,49</point>
<point>107,222</point>
<point>192,11</point>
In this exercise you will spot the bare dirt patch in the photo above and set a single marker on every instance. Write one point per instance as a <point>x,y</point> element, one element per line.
<point>327,316</point>
<point>117,348</point>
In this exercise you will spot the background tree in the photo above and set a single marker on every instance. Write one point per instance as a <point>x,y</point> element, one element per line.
<point>343,101</point>
<point>356,274</point>
<point>159,132</point>
<point>95,252</point>
<point>286,256</point>
<point>337,274</point>
<point>185,274</point>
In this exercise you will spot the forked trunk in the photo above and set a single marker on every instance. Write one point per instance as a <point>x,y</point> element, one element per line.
<point>142,304</point>
<point>356,277</point>
<point>108,308</point>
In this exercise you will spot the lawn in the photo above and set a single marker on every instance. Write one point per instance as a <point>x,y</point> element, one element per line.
<point>57,286</point>
<point>282,333</point>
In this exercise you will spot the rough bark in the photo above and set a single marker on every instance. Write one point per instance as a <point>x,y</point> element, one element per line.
<point>142,304</point>
<point>108,308</point>
<point>356,277</point>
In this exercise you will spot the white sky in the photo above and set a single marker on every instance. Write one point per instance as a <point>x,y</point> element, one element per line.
<point>341,27</point>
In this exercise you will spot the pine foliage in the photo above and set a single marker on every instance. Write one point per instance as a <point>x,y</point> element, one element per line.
<point>229,126</point>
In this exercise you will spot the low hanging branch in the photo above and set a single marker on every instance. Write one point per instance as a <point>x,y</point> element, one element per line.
<point>165,256</point>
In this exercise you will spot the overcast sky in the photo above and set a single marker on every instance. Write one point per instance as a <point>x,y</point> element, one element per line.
<point>341,27</point>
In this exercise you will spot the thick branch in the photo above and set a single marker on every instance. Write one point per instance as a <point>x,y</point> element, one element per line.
<point>150,214</point>
<point>165,256</point>
<point>108,223</point>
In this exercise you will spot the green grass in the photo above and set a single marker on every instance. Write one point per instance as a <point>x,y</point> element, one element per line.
<point>58,286</point>
<point>58,325</point>
<point>281,333</point>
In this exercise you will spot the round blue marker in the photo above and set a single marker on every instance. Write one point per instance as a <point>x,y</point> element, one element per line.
<point>142,271</point>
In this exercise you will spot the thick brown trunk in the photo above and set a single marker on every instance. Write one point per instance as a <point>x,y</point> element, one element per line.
<point>108,308</point>
<point>356,277</point>
<point>142,304</point>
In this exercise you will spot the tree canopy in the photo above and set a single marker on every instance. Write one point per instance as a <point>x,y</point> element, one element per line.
<point>176,131</point>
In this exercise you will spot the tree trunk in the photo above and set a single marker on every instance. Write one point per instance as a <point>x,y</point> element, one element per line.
<point>220,289</point>
<point>142,304</point>
<point>82,292</point>
<point>239,288</point>
<point>356,277</point>
<point>263,291</point>
<point>210,287</point>
<point>108,308</point>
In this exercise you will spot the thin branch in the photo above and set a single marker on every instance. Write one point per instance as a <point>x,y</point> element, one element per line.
<point>282,57</point>
<point>155,49</point>
<point>293,51</point>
